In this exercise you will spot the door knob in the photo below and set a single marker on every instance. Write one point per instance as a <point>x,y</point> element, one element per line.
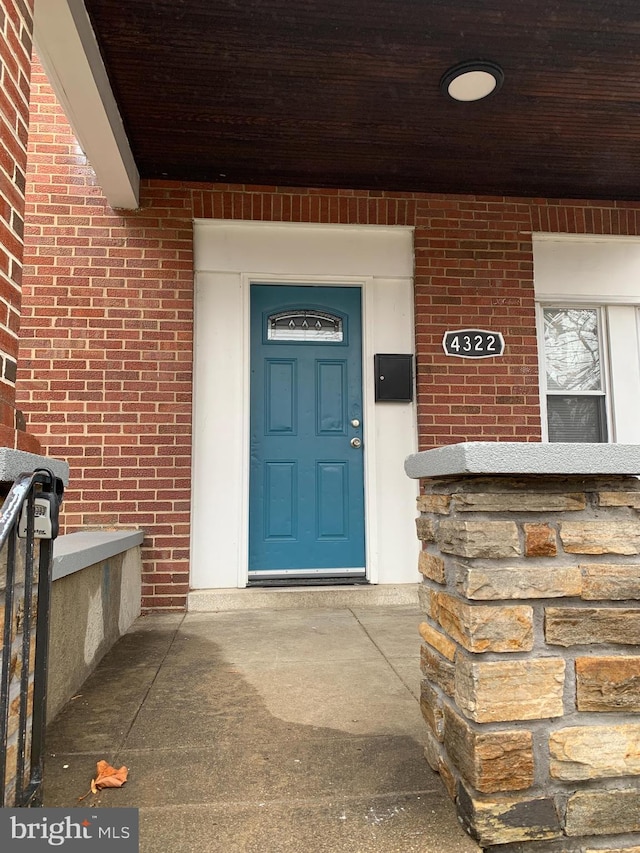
<point>355,423</point>
<point>355,442</point>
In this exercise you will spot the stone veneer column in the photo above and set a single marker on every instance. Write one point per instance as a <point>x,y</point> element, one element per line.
<point>531,652</point>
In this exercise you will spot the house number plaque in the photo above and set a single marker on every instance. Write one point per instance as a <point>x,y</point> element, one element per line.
<point>473,343</point>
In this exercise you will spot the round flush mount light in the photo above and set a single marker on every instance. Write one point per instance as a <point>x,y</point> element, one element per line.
<point>472,81</point>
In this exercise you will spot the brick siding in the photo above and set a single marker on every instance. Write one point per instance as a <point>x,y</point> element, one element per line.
<point>106,342</point>
<point>16,25</point>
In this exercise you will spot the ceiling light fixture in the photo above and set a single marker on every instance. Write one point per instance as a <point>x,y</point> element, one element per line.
<point>472,80</point>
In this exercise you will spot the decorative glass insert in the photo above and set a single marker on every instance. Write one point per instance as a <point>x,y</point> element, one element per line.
<point>300,325</point>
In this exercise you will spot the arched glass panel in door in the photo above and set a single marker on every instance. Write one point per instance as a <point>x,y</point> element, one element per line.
<point>301,325</point>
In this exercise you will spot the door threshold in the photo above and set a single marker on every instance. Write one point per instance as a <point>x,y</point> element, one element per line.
<point>316,580</point>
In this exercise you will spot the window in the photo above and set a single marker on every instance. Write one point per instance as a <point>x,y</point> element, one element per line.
<point>574,375</point>
<point>304,326</point>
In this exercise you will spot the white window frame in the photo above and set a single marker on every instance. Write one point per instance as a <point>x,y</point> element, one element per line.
<point>603,341</point>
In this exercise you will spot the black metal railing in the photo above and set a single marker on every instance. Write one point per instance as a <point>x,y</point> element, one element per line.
<point>28,526</point>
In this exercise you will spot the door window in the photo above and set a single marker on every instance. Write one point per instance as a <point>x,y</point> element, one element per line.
<point>304,326</point>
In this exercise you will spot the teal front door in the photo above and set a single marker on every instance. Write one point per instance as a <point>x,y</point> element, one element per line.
<point>306,507</point>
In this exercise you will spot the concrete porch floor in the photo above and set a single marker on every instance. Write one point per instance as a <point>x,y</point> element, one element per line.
<point>265,731</point>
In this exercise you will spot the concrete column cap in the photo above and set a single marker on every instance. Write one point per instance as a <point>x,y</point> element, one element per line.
<point>518,457</point>
<point>16,462</point>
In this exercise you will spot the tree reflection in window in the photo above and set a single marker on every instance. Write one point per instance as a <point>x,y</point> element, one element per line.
<point>572,349</point>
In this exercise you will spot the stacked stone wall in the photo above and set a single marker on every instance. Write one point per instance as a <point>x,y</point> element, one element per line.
<point>531,657</point>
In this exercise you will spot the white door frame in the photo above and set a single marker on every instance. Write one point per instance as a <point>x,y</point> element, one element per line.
<point>377,259</point>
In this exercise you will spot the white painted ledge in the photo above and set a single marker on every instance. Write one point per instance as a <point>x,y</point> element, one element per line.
<point>511,457</point>
<point>75,551</point>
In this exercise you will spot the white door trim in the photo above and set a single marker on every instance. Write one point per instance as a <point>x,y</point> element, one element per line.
<point>377,259</point>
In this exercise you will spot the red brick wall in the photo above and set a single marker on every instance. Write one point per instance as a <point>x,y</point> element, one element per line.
<point>474,269</point>
<point>106,346</point>
<point>16,27</point>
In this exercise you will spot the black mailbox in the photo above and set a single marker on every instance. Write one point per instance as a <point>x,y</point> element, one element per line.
<point>394,378</point>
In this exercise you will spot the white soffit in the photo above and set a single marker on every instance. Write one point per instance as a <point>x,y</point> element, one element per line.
<point>67,47</point>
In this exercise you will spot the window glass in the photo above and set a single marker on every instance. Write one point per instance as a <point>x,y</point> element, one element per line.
<point>575,398</point>
<point>572,349</point>
<point>304,326</point>
<point>576,418</point>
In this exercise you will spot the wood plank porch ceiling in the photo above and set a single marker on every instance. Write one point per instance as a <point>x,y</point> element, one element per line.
<point>345,93</point>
